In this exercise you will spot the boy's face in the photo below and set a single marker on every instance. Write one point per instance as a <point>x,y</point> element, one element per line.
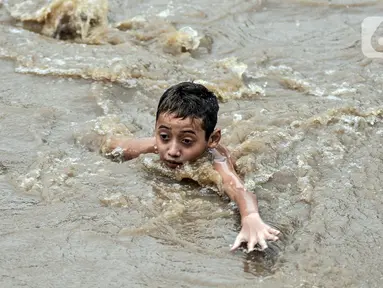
<point>181,140</point>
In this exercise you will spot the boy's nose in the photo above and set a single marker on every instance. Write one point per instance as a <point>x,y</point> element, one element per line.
<point>174,151</point>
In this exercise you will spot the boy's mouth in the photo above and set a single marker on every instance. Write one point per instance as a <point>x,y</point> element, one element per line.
<point>172,164</point>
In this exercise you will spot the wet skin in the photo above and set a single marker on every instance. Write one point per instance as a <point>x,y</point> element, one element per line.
<point>178,141</point>
<point>182,140</point>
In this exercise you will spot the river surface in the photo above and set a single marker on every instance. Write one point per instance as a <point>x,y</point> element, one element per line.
<point>301,108</point>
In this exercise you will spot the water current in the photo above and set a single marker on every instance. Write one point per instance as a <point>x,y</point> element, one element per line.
<point>301,108</point>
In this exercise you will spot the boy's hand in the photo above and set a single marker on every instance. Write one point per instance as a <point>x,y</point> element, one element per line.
<point>254,231</point>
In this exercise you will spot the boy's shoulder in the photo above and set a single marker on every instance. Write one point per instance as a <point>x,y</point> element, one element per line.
<point>221,154</point>
<point>217,154</point>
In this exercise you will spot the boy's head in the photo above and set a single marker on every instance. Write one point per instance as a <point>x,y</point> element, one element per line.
<point>185,123</point>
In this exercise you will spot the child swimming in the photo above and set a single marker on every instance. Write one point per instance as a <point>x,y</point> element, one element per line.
<point>185,130</point>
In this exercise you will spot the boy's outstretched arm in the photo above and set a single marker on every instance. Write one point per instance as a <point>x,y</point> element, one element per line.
<point>253,230</point>
<point>131,147</point>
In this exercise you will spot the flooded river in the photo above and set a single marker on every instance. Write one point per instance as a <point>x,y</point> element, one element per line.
<point>301,108</point>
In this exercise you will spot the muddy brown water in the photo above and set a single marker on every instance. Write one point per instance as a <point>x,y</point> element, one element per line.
<point>301,108</point>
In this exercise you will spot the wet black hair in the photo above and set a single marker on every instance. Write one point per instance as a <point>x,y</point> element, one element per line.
<point>188,99</point>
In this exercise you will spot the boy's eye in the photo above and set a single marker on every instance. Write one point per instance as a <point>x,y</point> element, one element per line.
<point>164,136</point>
<point>187,142</point>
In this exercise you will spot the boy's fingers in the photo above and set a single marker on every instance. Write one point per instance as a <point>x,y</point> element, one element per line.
<point>274,231</point>
<point>251,244</point>
<point>272,237</point>
<point>237,242</point>
<point>263,244</point>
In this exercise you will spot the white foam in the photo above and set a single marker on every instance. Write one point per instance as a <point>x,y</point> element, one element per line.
<point>15,30</point>
<point>332,97</point>
<point>164,14</point>
<point>237,117</point>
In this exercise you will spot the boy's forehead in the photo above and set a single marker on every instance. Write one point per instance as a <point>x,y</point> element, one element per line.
<point>174,121</point>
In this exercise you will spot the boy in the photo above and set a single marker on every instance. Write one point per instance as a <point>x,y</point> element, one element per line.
<point>184,131</point>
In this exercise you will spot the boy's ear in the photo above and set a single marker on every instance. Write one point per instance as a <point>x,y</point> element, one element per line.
<point>214,138</point>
